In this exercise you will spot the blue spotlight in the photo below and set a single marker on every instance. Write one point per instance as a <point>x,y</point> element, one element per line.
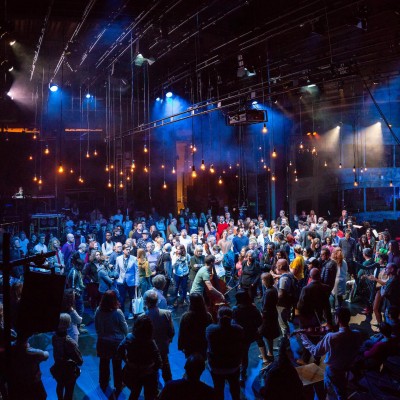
<point>168,94</point>
<point>158,99</point>
<point>88,95</point>
<point>53,87</point>
<point>255,102</point>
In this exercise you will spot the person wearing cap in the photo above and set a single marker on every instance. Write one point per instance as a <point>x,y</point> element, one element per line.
<point>141,243</point>
<point>65,348</point>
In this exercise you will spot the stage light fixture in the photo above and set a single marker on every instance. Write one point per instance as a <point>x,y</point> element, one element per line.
<point>88,95</point>
<point>254,103</point>
<point>158,99</point>
<point>53,87</point>
<point>168,94</point>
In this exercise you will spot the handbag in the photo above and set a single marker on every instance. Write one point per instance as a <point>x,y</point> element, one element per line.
<point>137,304</point>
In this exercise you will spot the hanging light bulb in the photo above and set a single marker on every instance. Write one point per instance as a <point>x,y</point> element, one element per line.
<point>35,178</point>
<point>145,150</point>
<point>262,160</point>
<point>112,166</point>
<point>264,128</point>
<point>361,169</point>
<point>194,173</point>
<point>203,165</point>
<point>121,185</point>
<point>295,171</point>
<point>173,170</point>
<point>274,154</point>
<point>128,178</point>
<point>162,166</point>
<point>133,166</point>
<point>34,137</point>
<point>220,181</point>
<point>194,148</point>
<point>391,183</point>
<point>80,179</point>
<point>121,172</point>
<point>146,169</point>
<point>265,166</point>
<point>164,185</point>
<point>295,179</point>
<point>71,171</point>
<point>60,168</point>
<point>314,151</point>
<point>273,178</point>
<point>109,184</point>
<point>87,154</point>
<point>260,148</point>
<point>301,146</point>
<point>340,165</point>
<point>95,153</point>
<point>212,170</point>
<point>354,168</point>
<point>223,171</point>
<point>355,182</point>
<point>325,164</point>
<point>40,180</point>
<point>30,158</point>
<point>107,169</point>
<point>47,150</point>
<point>290,163</point>
<point>365,169</point>
<point>230,166</point>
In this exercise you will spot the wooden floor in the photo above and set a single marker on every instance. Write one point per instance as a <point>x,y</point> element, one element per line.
<point>87,386</point>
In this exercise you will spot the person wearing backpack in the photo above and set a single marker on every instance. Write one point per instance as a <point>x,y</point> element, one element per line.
<point>286,294</point>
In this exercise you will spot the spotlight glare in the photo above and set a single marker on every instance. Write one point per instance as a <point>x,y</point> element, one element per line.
<point>88,95</point>
<point>255,102</point>
<point>12,42</point>
<point>53,87</point>
<point>158,99</point>
<point>338,127</point>
<point>168,94</point>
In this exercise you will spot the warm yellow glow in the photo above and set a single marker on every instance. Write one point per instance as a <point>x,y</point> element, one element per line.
<point>46,150</point>
<point>107,169</point>
<point>220,181</point>
<point>40,181</point>
<point>274,153</point>
<point>340,165</point>
<point>295,171</point>
<point>173,170</point>
<point>301,146</point>
<point>194,148</point>
<point>121,172</point>
<point>194,173</point>
<point>121,185</point>
<point>87,154</point>
<point>391,184</point>
<point>162,166</point>
<point>146,169</point>
<point>325,164</point>
<point>164,185</point>
<point>354,168</point>
<point>71,171</point>
<point>295,179</point>
<point>30,158</point>
<point>128,178</point>
<point>273,178</point>
<point>112,166</point>
<point>95,152</point>
<point>265,166</point>
<point>212,170</point>
<point>355,183</point>
<point>109,184</point>
<point>35,178</point>
<point>133,166</point>
<point>203,165</point>
<point>34,137</point>
<point>80,179</point>
<point>145,149</point>
<point>60,169</point>
<point>264,129</point>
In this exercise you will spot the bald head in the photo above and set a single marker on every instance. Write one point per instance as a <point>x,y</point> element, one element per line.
<point>282,265</point>
<point>315,274</point>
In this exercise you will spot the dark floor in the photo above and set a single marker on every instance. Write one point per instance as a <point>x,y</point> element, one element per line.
<point>87,387</point>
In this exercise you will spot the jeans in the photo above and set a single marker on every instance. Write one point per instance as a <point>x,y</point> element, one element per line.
<point>219,385</point>
<point>123,288</point>
<point>145,284</point>
<point>181,282</point>
<point>79,307</point>
<point>283,318</point>
<point>65,391</point>
<point>149,382</point>
<point>104,373</point>
<point>335,384</point>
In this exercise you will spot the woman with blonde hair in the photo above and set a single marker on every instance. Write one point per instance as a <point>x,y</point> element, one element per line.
<point>144,271</point>
<point>339,289</point>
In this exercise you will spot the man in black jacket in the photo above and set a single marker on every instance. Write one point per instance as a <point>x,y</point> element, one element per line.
<point>348,246</point>
<point>329,269</point>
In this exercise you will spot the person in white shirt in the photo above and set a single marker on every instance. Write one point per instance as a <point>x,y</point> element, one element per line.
<point>41,247</point>
<point>23,242</point>
<point>184,238</point>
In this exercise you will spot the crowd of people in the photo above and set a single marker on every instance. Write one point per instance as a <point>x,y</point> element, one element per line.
<point>285,275</point>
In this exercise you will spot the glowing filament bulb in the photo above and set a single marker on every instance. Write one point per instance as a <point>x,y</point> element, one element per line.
<point>295,179</point>
<point>95,153</point>
<point>162,166</point>
<point>133,166</point>
<point>30,158</point>
<point>354,168</point>
<point>212,170</point>
<point>109,184</point>
<point>203,165</point>
<point>87,154</point>
<point>46,150</point>
<point>194,173</point>
<point>112,166</point>
<point>365,169</point>
<point>35,178</point>
<point>273,178</point>
<point>301,146</point>
<point>274,154</point>
<point>146,169</point>
<point>164,185</point>
<point>265,166</point>
<point>128,178</point>
<point>295,171</point>
<point>325,164</point>
<point>107,169</point>
<point>264,129</point>
<point>121,172</point>
<point>194,148</point>
<point>71,171</point>
<point>145,150</point>
<point>391,184</point>
<point>34,137</point>
<point>173,170</point>
<point>60,169</point>
<point>290,163</point>
<point>340,165</point>
<point>40,180</point>
<point>220,181</point>
<point>121,185</point>
<point>80,179</point>
<point>355,183</point>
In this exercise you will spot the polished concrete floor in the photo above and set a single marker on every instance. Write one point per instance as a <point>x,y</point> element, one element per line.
<point>87,386</point>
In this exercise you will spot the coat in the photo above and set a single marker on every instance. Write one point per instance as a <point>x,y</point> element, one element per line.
<point>130,275</point>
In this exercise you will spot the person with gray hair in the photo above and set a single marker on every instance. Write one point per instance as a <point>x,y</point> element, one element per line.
<point>163,329</point>
<point>159,282</point>
<point>65,348</point>
<point>196,262</point>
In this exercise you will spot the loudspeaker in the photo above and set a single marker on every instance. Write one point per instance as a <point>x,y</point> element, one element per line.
<point>40,305</point>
